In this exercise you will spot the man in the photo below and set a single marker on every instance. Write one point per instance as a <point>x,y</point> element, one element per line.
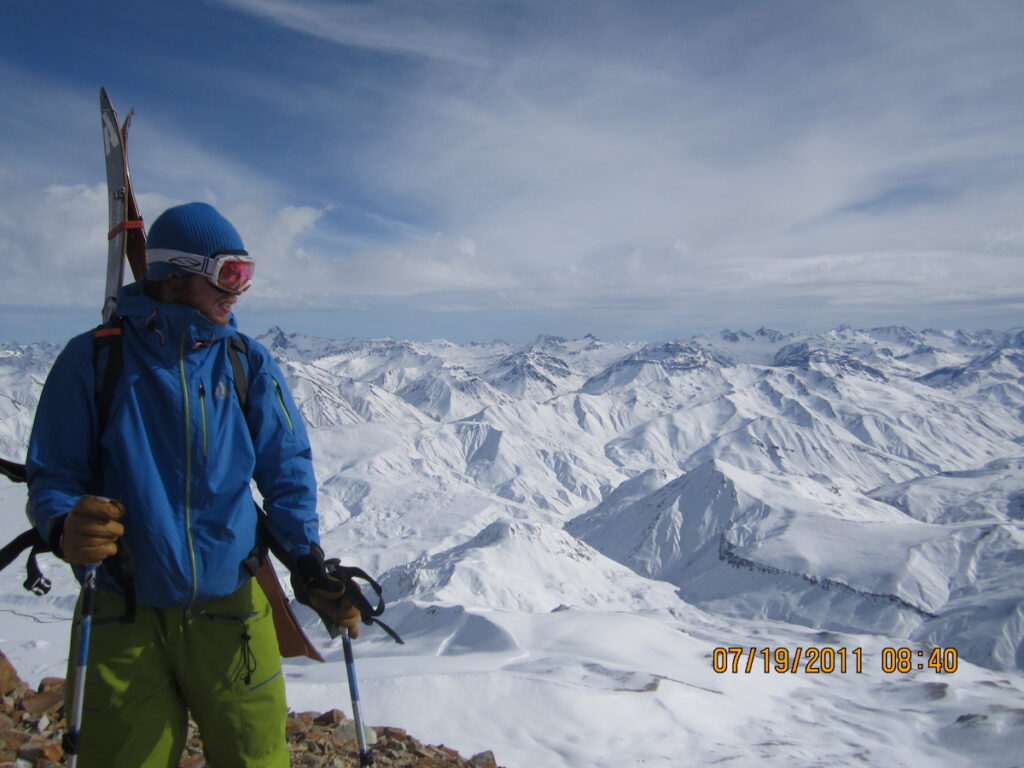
<point>160,494</point>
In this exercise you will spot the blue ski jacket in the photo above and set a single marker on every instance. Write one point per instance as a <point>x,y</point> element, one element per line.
<point>177,451</point>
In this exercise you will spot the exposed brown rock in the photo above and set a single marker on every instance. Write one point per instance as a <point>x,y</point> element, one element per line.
<point>9,680</point>
<point>334,717</point>
<point>46,702</point>
<point>32,724</point>
<point>50,683</point>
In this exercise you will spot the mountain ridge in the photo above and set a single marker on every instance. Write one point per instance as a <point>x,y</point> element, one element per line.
<point>813,441</point>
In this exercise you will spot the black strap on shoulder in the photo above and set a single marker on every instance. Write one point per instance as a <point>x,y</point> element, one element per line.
<point>238,351</point>
<point>106,366</point>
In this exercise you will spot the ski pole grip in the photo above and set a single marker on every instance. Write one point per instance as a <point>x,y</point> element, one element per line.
<point>369,613</point>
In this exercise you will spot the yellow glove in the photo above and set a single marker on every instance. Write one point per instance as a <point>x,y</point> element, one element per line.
<point>91,530</point>
<point>337,607</point>
<point>331,597</point>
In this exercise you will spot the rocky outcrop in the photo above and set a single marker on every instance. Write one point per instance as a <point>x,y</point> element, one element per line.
<point>32,724</point>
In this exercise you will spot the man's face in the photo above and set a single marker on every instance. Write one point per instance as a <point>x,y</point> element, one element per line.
<point>197,292</point>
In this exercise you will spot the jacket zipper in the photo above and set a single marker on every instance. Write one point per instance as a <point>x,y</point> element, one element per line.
<point>284,408</point>
<point>202,413</point>
<point>188,471</point>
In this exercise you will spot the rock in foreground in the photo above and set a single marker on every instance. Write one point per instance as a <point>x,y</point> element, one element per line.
<point>32,724</point>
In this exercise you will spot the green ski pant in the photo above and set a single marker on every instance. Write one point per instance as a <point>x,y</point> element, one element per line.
<point>220,661</point>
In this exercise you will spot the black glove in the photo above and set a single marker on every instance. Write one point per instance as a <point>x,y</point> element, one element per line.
<point>334,599</point>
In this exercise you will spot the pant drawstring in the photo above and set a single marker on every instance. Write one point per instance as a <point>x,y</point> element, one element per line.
<point>248,659</point>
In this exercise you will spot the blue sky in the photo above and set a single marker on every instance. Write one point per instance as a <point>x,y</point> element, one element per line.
<point>479,169</point>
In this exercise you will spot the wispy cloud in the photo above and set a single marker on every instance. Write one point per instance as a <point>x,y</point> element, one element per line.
<point>657,165</point>
<point>446,32</point>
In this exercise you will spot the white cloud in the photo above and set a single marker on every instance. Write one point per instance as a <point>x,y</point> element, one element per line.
<point>569,156</point>
<point>684,161</point>
<point>53,243</point>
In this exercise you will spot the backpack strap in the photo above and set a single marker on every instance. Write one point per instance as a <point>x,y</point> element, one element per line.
<point>238,354</point>
<point>107,356</point>
<point>106,366</point>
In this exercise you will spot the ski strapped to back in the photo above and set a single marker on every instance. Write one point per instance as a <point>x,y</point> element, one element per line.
<point>126,236</point>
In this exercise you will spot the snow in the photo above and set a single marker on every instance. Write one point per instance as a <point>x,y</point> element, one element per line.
<point>567,531</point>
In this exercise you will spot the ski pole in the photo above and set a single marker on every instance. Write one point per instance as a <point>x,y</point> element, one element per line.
<point>365,756</point>
<point>73,734</point>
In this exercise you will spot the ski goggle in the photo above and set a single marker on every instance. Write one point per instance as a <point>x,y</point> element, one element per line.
<point>231,272</point>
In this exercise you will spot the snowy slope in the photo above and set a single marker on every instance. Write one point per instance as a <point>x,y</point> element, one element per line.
<point>553,571</point>
<point>567,529</point>
<point>779,547</point>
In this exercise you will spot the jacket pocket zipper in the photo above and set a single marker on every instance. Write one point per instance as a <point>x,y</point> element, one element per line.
<point>202,415</point>
<point>284,408</point>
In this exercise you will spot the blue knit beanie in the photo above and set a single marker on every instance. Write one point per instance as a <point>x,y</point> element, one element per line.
<point>183,237</point>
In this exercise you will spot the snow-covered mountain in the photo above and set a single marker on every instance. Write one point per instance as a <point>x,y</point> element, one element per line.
<point>853,487</point>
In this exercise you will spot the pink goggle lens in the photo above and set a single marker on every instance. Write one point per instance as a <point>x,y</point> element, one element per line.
<point>235,275</point>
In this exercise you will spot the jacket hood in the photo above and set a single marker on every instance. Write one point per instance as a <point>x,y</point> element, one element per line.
<point>165,324</point>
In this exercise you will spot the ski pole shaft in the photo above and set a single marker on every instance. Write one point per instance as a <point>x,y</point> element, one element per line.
<point>72,737</point>
<point>365,756</point>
